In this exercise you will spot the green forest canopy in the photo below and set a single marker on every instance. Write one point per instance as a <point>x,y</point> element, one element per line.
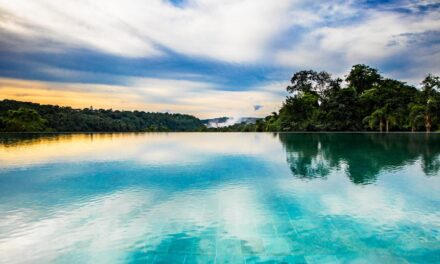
<point>18,116</point>
<point>368,102</point>
<point>316,102</point>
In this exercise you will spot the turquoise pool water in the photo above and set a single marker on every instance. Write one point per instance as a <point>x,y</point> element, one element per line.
<point>220,198</point>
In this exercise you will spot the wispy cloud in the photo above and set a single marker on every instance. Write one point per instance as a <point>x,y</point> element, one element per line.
<point>206,57</point>
<point>236,31</point>
<point>377,37</point>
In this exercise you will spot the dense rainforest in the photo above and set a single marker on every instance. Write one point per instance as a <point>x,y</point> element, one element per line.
<point>366,101</point>
<point>18,116</point>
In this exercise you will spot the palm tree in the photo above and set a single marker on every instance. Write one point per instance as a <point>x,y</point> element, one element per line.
<point>416,116</point>
<point>430,95</point>
<point>384,116</point>
<point>377,116</point>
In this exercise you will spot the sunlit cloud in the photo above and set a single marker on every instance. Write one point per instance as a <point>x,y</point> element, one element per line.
<point>153,95</point>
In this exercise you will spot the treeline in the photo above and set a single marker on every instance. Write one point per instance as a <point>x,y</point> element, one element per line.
<point>18,116</point>
<point>368,102</point>
<point>316,102</point>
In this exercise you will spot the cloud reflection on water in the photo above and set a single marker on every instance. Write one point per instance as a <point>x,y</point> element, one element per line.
<point>113,197</point>
<point>148,148</point>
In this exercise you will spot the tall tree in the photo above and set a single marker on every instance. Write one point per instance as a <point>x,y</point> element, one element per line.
<point>299,112</point>
<point>387,103</point>
<point>363,77</point>
<point>340,111</point>
<point>312,82</point>
<point>416,116</point>
<point>430,100</point>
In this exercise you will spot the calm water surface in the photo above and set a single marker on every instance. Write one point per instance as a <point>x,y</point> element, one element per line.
<point>220,198</point>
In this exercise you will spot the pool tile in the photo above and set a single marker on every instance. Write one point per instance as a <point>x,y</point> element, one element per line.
<point>161,247</point>
<point>146,258</point>
<point>296,247</point>
<point>200,259</point>
<point>318,259</point>
<point>229,259</point>
<point>228,246</point>
<point>169,258</point>
<point>277,246</point>
<point>295,259</point>
<point>266,229</point>
<point>422,256</point>
<point>284,228</point>
<point>263,259</point>
<point>79,257</point>
<point>245,230</point>
<point>252,246</point>
<point>259,259</point>
<point>182,245</point>
<point>206,246</point>
<point>303,225</point>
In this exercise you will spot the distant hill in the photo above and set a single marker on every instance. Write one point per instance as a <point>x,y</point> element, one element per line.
<point>16,116</point>
<point>228,121</point>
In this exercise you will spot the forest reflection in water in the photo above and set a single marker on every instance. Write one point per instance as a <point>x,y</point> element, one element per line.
<point>364,155</point>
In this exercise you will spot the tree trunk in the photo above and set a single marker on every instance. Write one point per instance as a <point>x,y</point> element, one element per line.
<point>428,123</point>
<point>388,125</point>
<point>413,129</point>
<point>381,125</point>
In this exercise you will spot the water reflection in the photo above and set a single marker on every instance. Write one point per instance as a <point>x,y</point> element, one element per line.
<point>363,156</point>
<point>223,198</point>
<point>145,148</point>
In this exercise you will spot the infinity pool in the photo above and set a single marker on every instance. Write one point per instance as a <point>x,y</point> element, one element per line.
<point>220,198</point>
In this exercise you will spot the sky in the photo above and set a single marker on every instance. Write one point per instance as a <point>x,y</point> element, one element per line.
<point>208,58</point>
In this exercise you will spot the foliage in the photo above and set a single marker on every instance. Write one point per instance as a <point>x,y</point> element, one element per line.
<point>363,77</point>
<point>22,120</point>
<point>316,102</point>
<point>26,117</point>
<point>368,102</point>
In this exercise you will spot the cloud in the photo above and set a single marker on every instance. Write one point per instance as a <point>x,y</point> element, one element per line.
<point>378,37</point>
<point>377,205</point>
<point>201,99</point>
<point>93,224</point>
<point>257,107</point>
<point>233,31</point>
<point>209,58</point>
